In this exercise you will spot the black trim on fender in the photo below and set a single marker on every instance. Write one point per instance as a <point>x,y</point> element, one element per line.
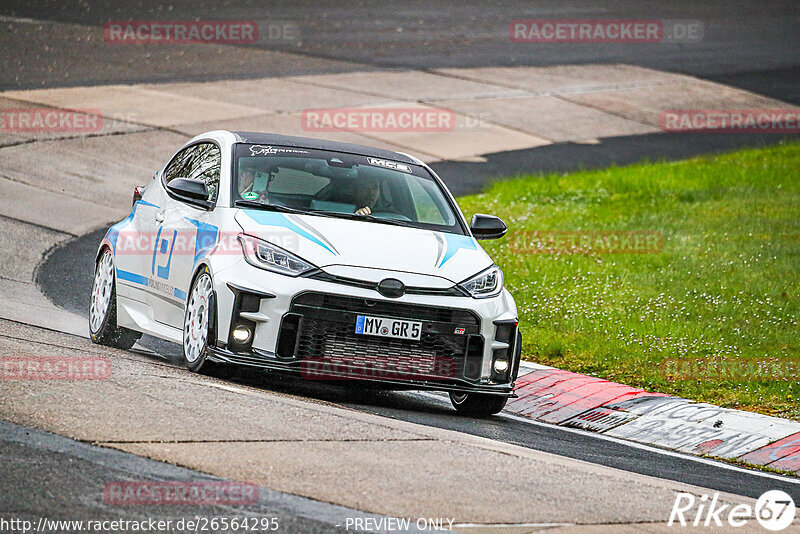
<point>244,300</point>
<point>239,289</point>
<point>212,320</point>
<point>510,329</point>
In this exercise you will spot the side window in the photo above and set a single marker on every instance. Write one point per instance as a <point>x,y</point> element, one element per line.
<point>206,166</point>
<point>199,162</point>
<point>179,166</point>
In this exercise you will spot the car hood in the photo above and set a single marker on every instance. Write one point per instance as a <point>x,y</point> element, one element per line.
<point>369,250</point>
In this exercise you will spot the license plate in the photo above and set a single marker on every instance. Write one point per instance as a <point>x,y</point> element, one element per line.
<point>383,327</point>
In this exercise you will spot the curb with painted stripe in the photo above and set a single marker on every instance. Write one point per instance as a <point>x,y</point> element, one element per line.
<point>570,399</point>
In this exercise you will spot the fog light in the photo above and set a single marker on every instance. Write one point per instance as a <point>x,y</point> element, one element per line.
<point>241,334</point>
<point>500,365</point>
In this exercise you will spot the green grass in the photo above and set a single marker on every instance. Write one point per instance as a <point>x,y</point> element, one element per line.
<point>724,288</point>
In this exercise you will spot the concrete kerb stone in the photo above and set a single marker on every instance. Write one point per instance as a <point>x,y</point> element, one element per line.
<point>560,397</point>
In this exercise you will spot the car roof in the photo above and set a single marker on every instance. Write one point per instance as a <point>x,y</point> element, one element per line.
<point>321,144</point>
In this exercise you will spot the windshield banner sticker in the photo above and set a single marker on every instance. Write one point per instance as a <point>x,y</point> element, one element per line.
<point>389,165</point>
<point>259,150</point>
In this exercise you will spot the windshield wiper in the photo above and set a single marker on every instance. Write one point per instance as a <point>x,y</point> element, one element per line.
<point>270,207</point>
<point>357,217</point>
<point>395,222</point>
<point>285,209</point>
<point>324,213</point>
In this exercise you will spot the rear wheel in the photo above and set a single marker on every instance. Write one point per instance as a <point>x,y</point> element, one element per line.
<point>477,404</point>
<point>103,328</point>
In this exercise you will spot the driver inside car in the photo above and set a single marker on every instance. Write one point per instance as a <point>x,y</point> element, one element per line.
<point>367,195</point>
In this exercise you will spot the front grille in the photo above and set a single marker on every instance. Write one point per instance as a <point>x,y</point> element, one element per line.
<point>336,346</point>
<point>326,341</point>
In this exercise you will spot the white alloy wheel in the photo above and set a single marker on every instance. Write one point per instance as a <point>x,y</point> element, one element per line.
<point>101,292</point>
<point>195,328</point>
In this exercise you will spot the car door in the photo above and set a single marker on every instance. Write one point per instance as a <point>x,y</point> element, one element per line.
<point>183,233</point>
<point>132,242</point>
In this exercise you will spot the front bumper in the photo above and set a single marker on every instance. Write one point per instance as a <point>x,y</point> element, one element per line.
<point>306,326</point>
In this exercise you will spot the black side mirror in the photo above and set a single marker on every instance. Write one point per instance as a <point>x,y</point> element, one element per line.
<point>188,188</point>
<point>487,227</point>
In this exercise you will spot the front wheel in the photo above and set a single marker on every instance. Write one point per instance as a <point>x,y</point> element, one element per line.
<point>197,322</point>
<point>199,329</point>
<point>103,328</point>
<point>477,404</point>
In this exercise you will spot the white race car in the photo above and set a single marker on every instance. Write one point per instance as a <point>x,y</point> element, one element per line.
<point>332,260</point>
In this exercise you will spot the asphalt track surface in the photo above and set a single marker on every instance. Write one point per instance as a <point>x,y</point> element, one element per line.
<point>755,46</point>
<point>66,278</point>
<point>751,45</point>
<point>48,468</point>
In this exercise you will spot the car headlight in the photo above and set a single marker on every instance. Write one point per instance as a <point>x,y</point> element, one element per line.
<point>485,284</point>
<point>267,256</point>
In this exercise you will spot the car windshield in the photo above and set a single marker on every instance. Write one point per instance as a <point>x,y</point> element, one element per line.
<point>335,184</point>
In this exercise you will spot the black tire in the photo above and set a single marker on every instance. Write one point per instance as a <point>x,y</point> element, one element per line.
<point>478,404</point>
<point>109,333</point>
<point>517,356</point>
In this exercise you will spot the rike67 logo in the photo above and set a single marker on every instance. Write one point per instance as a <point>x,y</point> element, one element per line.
<point>774,511</point>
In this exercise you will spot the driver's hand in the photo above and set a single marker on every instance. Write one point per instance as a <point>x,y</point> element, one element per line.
<point>363,211</point>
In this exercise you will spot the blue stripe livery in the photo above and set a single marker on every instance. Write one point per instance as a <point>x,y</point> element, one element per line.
<point>454,243</point>
<point>205,238</point>
<point>131,277</point>
<point>113,232</point>
<point>272,218</point>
